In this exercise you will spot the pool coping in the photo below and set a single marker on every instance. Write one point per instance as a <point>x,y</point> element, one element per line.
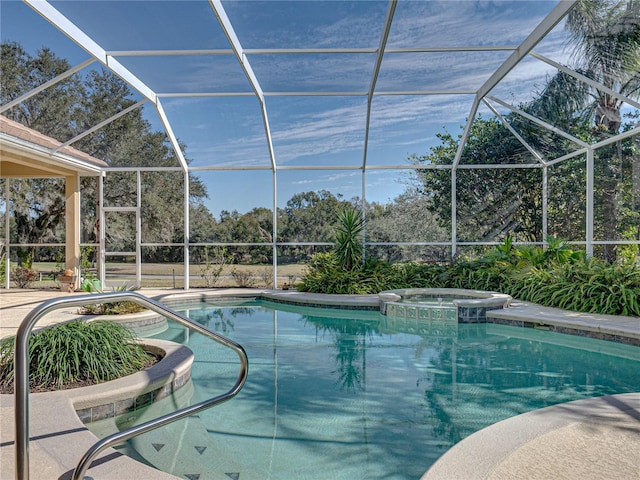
<point>595,438</point>
<point>613,328</point>
<point>139,390</point>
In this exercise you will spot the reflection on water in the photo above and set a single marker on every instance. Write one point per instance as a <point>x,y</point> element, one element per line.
<point>371,396</point>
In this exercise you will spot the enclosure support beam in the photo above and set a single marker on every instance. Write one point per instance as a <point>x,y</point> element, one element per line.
<point>62,23</point>
<point>172,137</point>
<point>274,228</point>
<point>543,124</point>
<point>100,125</point>
<point>374,78</point>
<point>102,268</point>
<point>138,229</point>
<point>187,232</point>
<point>545,195</point>
<point>587,80</point>
<point>232,38</point>
<point>513,131</point>
<point>363,206</point>
<point>7,235</point>
<point>589,207</point>
<point>454,207</point>
<point>543,28</point>
<point>46,85</point>
<point>466,131</point>
<point>72,227</point>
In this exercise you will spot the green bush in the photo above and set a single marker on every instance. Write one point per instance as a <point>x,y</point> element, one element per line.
<point>589,286</point>
<point>556,276</point>
<point>75,353</point>
<point>113,308</point>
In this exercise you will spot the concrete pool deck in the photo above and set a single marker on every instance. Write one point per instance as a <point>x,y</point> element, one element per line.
<point>588,439</point>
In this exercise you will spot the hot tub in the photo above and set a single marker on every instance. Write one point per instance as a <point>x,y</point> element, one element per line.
<point>463,306</point>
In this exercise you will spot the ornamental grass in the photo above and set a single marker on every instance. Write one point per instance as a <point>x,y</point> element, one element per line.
<point>75,354</point>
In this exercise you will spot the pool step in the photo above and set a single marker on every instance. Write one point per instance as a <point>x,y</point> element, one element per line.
<point>185,449</point>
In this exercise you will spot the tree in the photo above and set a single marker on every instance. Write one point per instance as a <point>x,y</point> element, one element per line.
<point>605,39</point>
<point>38,213</point>
<point>407,218</point>
<point>605,42</point>
<point>490,203</point>
<point>54,110</point>
<point>38,204</point>
<point>308,216</point>
<point>70,107</point>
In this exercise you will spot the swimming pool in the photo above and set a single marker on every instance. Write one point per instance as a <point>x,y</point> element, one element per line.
<point>343,394</point>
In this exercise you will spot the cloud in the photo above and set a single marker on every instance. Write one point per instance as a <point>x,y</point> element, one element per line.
<point>462,23</point>
<point>330,130</point>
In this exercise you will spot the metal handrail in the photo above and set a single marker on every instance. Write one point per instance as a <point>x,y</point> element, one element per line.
<point>21,376</point>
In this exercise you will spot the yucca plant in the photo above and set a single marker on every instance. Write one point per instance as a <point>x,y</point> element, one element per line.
<point>349,247</point>
<point>74,354</point>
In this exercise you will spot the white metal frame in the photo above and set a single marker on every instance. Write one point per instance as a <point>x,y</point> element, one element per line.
<point>481,95</point>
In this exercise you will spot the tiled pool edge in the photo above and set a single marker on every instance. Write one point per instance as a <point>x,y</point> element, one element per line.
<point>470,306</point>
<point>597,332</point>
<point>520,314</point>
<point>135,391</point>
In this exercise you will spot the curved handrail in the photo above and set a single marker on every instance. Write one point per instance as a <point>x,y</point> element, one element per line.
<point>21,377</point>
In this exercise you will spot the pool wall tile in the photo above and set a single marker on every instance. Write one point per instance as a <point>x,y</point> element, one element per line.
<point>119,407</point>
<point>102,411</point>
<point>123,406</point>
<point>144,399</point>
<point>84,414</point>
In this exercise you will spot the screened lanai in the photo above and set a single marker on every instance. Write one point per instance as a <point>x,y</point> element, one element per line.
<point>451,125</point>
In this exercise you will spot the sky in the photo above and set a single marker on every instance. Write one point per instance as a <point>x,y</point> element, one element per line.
<point>307,129</point>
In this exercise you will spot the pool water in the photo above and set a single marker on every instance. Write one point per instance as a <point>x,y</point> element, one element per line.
<point>340,394</point>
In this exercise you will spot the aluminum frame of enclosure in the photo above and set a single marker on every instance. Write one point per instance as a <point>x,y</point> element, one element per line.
<point>481,96</point>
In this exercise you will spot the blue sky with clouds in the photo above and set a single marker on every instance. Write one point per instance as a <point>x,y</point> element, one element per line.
<point>306,130</point>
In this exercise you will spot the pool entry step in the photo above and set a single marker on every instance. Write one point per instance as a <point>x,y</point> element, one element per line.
<point>187,450</point>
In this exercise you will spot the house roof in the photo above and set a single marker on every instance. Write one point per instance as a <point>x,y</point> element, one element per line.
<point>25,152</point>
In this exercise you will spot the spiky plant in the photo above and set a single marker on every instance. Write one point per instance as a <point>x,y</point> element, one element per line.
<point>75,353</point>
<point>349,248</point>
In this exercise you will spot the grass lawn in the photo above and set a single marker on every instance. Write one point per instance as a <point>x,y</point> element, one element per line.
<point>162,275</point>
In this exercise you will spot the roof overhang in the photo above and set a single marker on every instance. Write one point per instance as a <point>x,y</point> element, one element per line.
<point>23,154</point>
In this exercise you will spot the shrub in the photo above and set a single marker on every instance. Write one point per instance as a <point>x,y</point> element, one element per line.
<point>23,277</point>
<point>113,308</point>
<point>214,263</point>
<point>3,262</point>
<point>74,354</point>
<point>266,276</point>
<point>591,286</point>
<point>242,277</point>
<point>557,276</point>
